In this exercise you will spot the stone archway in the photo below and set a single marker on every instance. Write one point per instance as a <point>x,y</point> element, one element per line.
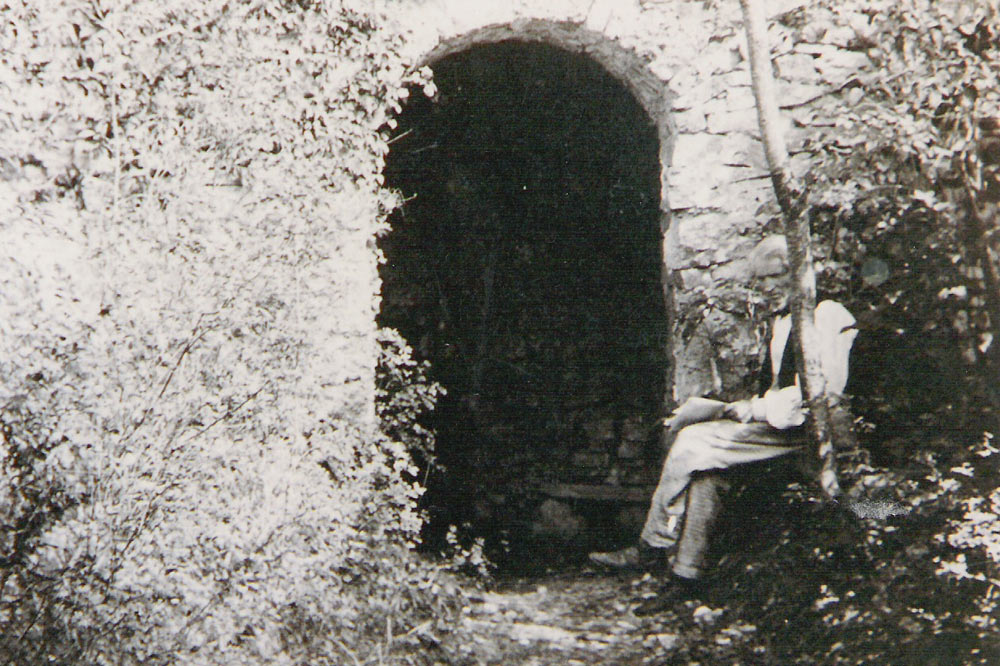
<point>532,392</point>
<point>648,89</point>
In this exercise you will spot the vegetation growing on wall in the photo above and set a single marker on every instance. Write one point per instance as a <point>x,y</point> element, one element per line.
<point>903,177</point>
<point>190,469</point>
<point>190,472</point>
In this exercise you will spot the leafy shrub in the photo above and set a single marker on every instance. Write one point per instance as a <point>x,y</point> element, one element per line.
<point>976,534</point>
<point>403,393</point>
<point>901,175</point>
<point>191,466</point>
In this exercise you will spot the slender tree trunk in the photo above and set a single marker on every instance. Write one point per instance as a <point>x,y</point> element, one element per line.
<point>981,224</point>
<point>790,200</point>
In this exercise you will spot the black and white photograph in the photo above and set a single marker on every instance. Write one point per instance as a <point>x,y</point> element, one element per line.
<point>499,332</point>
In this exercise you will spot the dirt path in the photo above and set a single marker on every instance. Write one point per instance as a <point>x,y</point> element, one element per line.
<point>585,617</point>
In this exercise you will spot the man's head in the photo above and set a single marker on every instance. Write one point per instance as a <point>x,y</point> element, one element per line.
<point>769,269</point>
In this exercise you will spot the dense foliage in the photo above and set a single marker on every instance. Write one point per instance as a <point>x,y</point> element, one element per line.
<point>902,175</point>
<point>187,476</point>
<point>902,170</point>
<point>190,469</point>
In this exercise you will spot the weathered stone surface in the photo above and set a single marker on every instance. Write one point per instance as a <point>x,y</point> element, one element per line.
<point>590,459</point>
<point>700,231</point>
<point>690,121</point>
<point>557,519</point>
<point>635,429</point>
<point>797,67</point>
<point>800,93</point>
<point>630,450</point>
<point>685,61</point>
<point>698,178</point>
<point>725,121</point>
<point>693,278</point>
<point>599,431</point>
<point>632,517</point>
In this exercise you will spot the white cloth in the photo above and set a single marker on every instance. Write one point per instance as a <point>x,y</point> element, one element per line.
<point>835,333</point>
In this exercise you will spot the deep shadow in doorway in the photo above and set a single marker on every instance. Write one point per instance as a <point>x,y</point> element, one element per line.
<point>525,266</point>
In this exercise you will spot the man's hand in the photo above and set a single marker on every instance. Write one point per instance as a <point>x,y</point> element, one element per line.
<point>782,408</point>
<point>694,410</point>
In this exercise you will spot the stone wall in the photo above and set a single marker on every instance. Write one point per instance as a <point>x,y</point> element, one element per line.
<point>685,62</point>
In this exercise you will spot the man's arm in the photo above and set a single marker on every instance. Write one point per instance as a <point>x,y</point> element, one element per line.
<point>695,410</point>
<point>782,408</point>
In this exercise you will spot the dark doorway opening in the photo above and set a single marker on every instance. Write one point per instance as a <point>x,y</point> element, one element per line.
<point>525,266</point>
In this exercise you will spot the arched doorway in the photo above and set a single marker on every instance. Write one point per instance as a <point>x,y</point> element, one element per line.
<point>526,267</point>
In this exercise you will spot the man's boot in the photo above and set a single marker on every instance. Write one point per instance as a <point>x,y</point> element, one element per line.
<point>641,557</point>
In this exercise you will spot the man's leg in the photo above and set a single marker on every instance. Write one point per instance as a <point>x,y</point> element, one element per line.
<point>704,500</point>
<point>702,507</point>
<point>700,447</point>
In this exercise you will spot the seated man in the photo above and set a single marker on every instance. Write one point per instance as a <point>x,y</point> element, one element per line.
<point>713,435</point>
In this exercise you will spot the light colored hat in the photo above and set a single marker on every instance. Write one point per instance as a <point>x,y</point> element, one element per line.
<point>769,257</point>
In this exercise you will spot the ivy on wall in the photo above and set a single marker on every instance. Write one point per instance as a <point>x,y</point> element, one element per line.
<point>903,188</point>
<point>187,195</point>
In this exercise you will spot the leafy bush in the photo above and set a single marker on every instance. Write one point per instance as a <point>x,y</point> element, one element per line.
<point>901,174</point>
<point>403,393</point>
<point>191,468</point>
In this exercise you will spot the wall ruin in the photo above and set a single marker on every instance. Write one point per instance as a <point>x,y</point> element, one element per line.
<point>685,63</point>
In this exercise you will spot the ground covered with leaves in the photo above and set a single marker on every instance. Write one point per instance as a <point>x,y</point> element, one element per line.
<point>911,580</point>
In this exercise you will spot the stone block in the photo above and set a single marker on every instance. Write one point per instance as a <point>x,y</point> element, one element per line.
<point>642,480</point>
<point>677,256</point>
<point>564,10</point>
<point>749,193</point>
<point>630,449</point>
<point>700,231</point>
<point>695,278</point>
<point>832,57</point>
<point>735,269</point>
<point>840,35</point>
<point>590,459</point>
<point>736,98</point>
<point>467,16</point>
<point>557,519</point>
<point>737,79</point>
<point>718,57</point>
<point>792,94</point>
<point>692,88</point>
<point>690,121</point>
<point>635,429</point>
<point>603,13</point>
<point>728,121</point>
<point>833,64</point>
<point>631,518</point>
<point>599,431</point>
<point>797,67</point>
<point>752,155</point>
<point>694,172</point>
<point>732,110</point>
